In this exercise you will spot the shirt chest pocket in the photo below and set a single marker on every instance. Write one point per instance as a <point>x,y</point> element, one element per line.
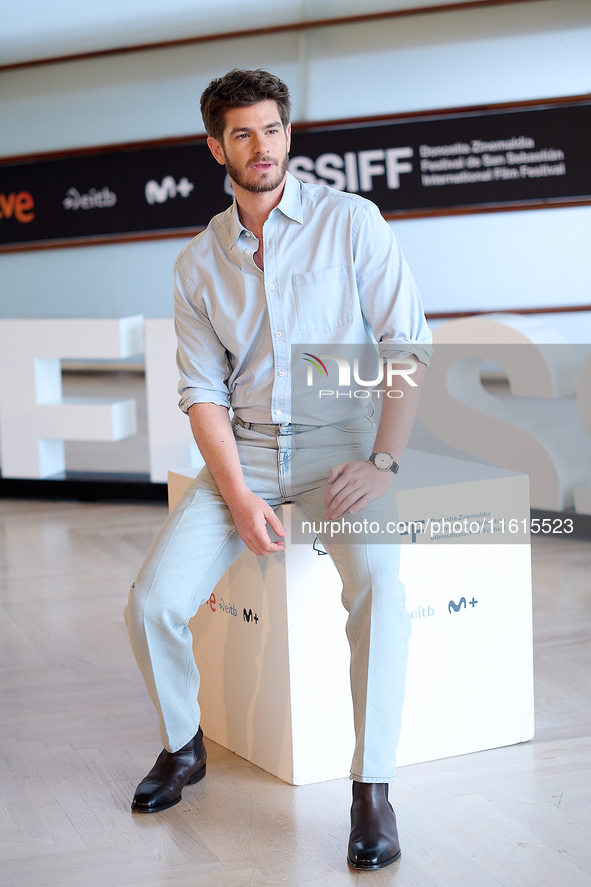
<point>323,299</point>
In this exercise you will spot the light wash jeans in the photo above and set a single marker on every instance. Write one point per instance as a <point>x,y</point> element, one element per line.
<point>199,542</point>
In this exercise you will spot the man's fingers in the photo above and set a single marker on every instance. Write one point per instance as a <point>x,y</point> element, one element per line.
<point>267,546</point>
<point>342,504</point>
<point>345,482</point>
<point>336,471</point>
<point>262,545</point>
<point>258,540</point>
<point>260,551</point>
<point>275,523</point>
<point>356,484</point>
<point>338,501</point>
<point>360,504</point>
<point>338,481</point>
<point>251,514</point>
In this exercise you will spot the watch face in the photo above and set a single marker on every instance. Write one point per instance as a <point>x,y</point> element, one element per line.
<point>383,461</point>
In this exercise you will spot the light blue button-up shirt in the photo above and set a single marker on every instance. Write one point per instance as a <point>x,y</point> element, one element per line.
<point>334,275</point>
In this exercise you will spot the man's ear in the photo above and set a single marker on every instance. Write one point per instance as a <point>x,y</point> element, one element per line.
<point>217,150</point>
<point>288,136</point>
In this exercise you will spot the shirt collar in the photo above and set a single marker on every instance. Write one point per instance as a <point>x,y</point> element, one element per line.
<point>236,226</point>
<point>291,202</point>
<point>290,205</point>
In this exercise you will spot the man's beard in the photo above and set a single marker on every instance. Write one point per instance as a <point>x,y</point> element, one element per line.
<point>237,176</point>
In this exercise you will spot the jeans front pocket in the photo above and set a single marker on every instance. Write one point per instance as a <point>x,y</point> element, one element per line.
<point>357,424</point>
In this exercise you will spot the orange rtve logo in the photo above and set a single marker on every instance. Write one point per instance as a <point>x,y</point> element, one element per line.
<point>17,205</point>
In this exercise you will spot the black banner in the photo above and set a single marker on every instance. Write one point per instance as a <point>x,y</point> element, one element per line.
<point>444,162</point>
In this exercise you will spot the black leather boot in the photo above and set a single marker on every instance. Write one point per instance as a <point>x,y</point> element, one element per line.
<point>172,771</point>
<point>373,842</point>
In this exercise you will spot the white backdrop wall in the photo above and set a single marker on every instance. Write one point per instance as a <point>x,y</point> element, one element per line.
<point>33,29</point>
<point>489,261</point>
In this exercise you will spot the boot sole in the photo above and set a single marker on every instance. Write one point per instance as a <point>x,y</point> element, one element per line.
<point>359,867</point>
<point>140,808</point>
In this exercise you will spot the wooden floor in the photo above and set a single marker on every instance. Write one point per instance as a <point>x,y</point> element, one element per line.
<point>77,733</point>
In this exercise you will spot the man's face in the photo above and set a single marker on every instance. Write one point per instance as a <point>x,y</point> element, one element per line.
<point>254,146</point>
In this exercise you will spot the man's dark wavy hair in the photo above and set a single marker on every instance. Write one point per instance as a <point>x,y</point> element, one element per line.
<point>237,90</point>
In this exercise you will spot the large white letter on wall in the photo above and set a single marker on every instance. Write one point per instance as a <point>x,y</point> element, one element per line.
<point>582,494</point>
<point>169,432</point>
<point>35,418</point>
<point>539,363</point>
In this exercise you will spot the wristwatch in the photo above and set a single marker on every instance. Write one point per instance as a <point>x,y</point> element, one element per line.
<point>384,462</point>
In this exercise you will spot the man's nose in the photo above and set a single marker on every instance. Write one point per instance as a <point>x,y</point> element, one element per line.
<point>260,145</point>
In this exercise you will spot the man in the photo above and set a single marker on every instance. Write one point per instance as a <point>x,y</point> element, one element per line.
<point>288,264</point>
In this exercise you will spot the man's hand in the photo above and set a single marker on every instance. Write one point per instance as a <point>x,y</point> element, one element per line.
<point>251,514</point>
<point>354,485</point>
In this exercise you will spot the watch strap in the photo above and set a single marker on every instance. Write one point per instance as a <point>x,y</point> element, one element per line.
<point>393,467</point>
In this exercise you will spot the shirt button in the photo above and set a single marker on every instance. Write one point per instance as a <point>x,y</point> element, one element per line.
<point>277,412</point>
<point>246,252</point>
<point>278,334</point>
<point>281,373</point>
<point>271,286</point>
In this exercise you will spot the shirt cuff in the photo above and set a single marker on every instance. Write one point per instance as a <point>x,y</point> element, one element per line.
<point>394,350</point>
<point>193,396</point>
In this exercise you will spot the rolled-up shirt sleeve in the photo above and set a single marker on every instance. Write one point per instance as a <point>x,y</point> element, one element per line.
<point>202,360</point>
<point>388,294</point>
